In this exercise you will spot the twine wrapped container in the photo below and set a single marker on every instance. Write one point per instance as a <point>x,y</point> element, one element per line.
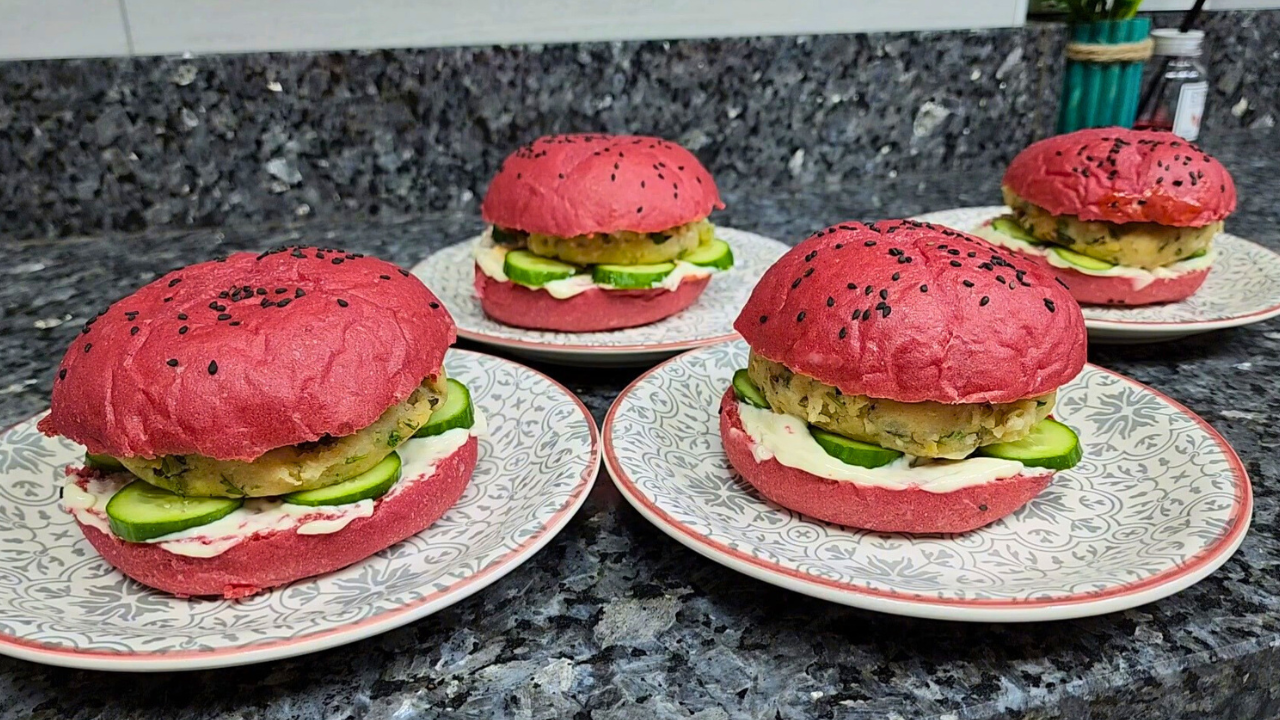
<point>1104,73</point>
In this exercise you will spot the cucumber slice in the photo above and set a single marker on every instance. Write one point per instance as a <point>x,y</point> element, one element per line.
<point>525,268</point>
<point>631,277</point>
<point>141,511</point>
<point>1050,445</point>
<point>372,483</point>
<point>1082,261</point>
<point>715,254</point>
<point>1008,226</point>
<point>1197,254</point>
<point>456,412</point>
<point>853,452</point>
<point>747,391</point>
<point>105,463</point>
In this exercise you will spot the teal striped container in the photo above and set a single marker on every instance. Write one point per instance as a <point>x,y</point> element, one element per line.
<point>1102,94</point>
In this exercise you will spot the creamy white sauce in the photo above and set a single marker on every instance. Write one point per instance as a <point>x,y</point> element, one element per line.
<point>1138,276</point>
<point>786,438</point>
<point>258,515</point>
<point>491,259</point>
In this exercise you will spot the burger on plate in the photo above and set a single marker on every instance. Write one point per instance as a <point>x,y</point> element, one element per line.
<point>1125,217</point>
<point>597,232</point>
<point>902,378</point>
<point>262,418</point>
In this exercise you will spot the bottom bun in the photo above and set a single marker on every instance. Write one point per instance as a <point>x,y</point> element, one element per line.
<point>270,559</point>
<point>590,311</point>
<point>873,508</point>
<point>1099,290</point>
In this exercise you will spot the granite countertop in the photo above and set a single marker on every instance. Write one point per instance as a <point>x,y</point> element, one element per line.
<point>615,620</point>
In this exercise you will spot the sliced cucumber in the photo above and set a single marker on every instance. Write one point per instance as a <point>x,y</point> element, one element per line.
<point>747,391</point>
<point>372,483</point>
<point>1050,445</point>
<point>1082,261</point>
<point>525,268</point>
<point>105,463</point>
<point>715,254</point>
<point>141,511</point>
<point>853,452</point>
<point>631,277</point>
<point>1197,254</point>
<point>1008,226</point>
<point>456,411</point>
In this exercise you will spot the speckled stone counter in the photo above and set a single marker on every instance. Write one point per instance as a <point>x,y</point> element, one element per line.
<point>615,620</point>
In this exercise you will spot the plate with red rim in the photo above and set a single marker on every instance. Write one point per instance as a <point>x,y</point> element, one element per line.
<point>1242,288</point>
<point>450,274</point>
<point>62,604</point>
<point>1159,502</point>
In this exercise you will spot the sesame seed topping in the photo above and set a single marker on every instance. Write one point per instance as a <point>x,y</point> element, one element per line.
<point>133,330</point>
<point>955,263</point>
<point>224,316</point>
<point>984,301</point>
<point>62,374</point>
<point>385,277</point>
<point>924,288</point>
<point>183,330</point>
<point>299,293</point>
<point>884,294</point>
<point>968,283</point>
<point>764,319</point>
<point>852,286</point>
<point>1049,304</point>
<point>830,301</point>
<point>171,362</point>
<point>182,316</point>
<point>403,272</point>
<point>342,303</point>
<point>88,347</point>
<point>800,317</point>
<point>434,305</point>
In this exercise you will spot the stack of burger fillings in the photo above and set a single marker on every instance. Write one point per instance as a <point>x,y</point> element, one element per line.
<point>901,378</point>
<point>597,232</point>
<point>245,419</point>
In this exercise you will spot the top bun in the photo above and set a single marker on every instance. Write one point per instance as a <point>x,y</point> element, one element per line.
<point>912,312</point>
<point>1121,176</point>
<point>232,358</point>
<point>568,185</point>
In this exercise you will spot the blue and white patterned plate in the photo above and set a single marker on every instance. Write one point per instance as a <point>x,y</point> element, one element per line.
<point>62,604</point>
<point>1242,288</point>
<point>1159,502</point>
<point>450,273</point>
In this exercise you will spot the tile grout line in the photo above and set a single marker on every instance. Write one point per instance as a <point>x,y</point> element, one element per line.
<point>128,31</point>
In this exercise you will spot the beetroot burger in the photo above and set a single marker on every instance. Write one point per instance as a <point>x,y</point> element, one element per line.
<point>262,418</point>
<point>901,379</point>
<point>597,232</point>
<point>1125,217</point>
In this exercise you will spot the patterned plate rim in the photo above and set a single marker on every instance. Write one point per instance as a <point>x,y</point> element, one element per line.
<point>1162,325</point>
<point>674,346</point>
<point>332,637</point>
<point>1119,597</point>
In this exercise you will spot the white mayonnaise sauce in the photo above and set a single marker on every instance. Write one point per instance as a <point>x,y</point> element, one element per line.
<point>1140,277</point>
<point>418,456</point>
<point>786,438</point>
<point>491,259</point>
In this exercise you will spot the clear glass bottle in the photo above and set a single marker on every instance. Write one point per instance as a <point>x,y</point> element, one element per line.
<point>1176,100</point>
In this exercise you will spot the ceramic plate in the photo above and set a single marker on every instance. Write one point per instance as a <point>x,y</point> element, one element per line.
<point>1159,502</point>
<point>61,604</point>
<point>1242,288</point>
<point>450,273</point>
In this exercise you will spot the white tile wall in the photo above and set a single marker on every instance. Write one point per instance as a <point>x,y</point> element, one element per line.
<point>70,28</point>
<point>61,28</point>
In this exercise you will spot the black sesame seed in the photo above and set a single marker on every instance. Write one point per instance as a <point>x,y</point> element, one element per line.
<point>839,245</point>
<point>299,293</point>
<point>866,314</point>
<point>266,303</point>
<point>168,299</point>
<point>434,305</point>
<point>764,319</point>
<point>852,286</point>
<point>955,263</point>
<point>800,317</point>
<point>868,290</point>
<point>870,243</point>
<point>213,367</point>
<point>796,283</point>
<point>984,300</point>
<point>183,330</point>
<point>262,291</point>
<point>924,288</point>
<point>284,303</point>
<point>968,283</point>
<point>830,301</point>
<point>953,251</point>
<point>973,254</point>
<point>843,332</point>
<point>281,291</point>
<point>133,330</point>
<point>88,347</point>
<point>174,281</point>
<point>224,316</point>
<point>234,323</point>
<point>403,272</point>
<point>884,311</point>
<point>342,303</point>
<point>639,209</point>
<point>808,272</point>
<point>1049,304</point>
<point>884,294</point>
<point>902,260</point>
<point>983,506</point>
<point>336,261</point>
<point>897,277</point>
<point>1000,279</point>
<point>62,374</point>
<point>385,277</point>
<point>171,362</point>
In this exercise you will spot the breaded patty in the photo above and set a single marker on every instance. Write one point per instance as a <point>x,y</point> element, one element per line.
<point>297,467</point>
<point>1141,245</point>
<point>623,248</point>
<point>924,429</point>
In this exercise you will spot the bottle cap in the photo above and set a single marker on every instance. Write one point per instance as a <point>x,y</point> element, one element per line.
<point>1170,42</point>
